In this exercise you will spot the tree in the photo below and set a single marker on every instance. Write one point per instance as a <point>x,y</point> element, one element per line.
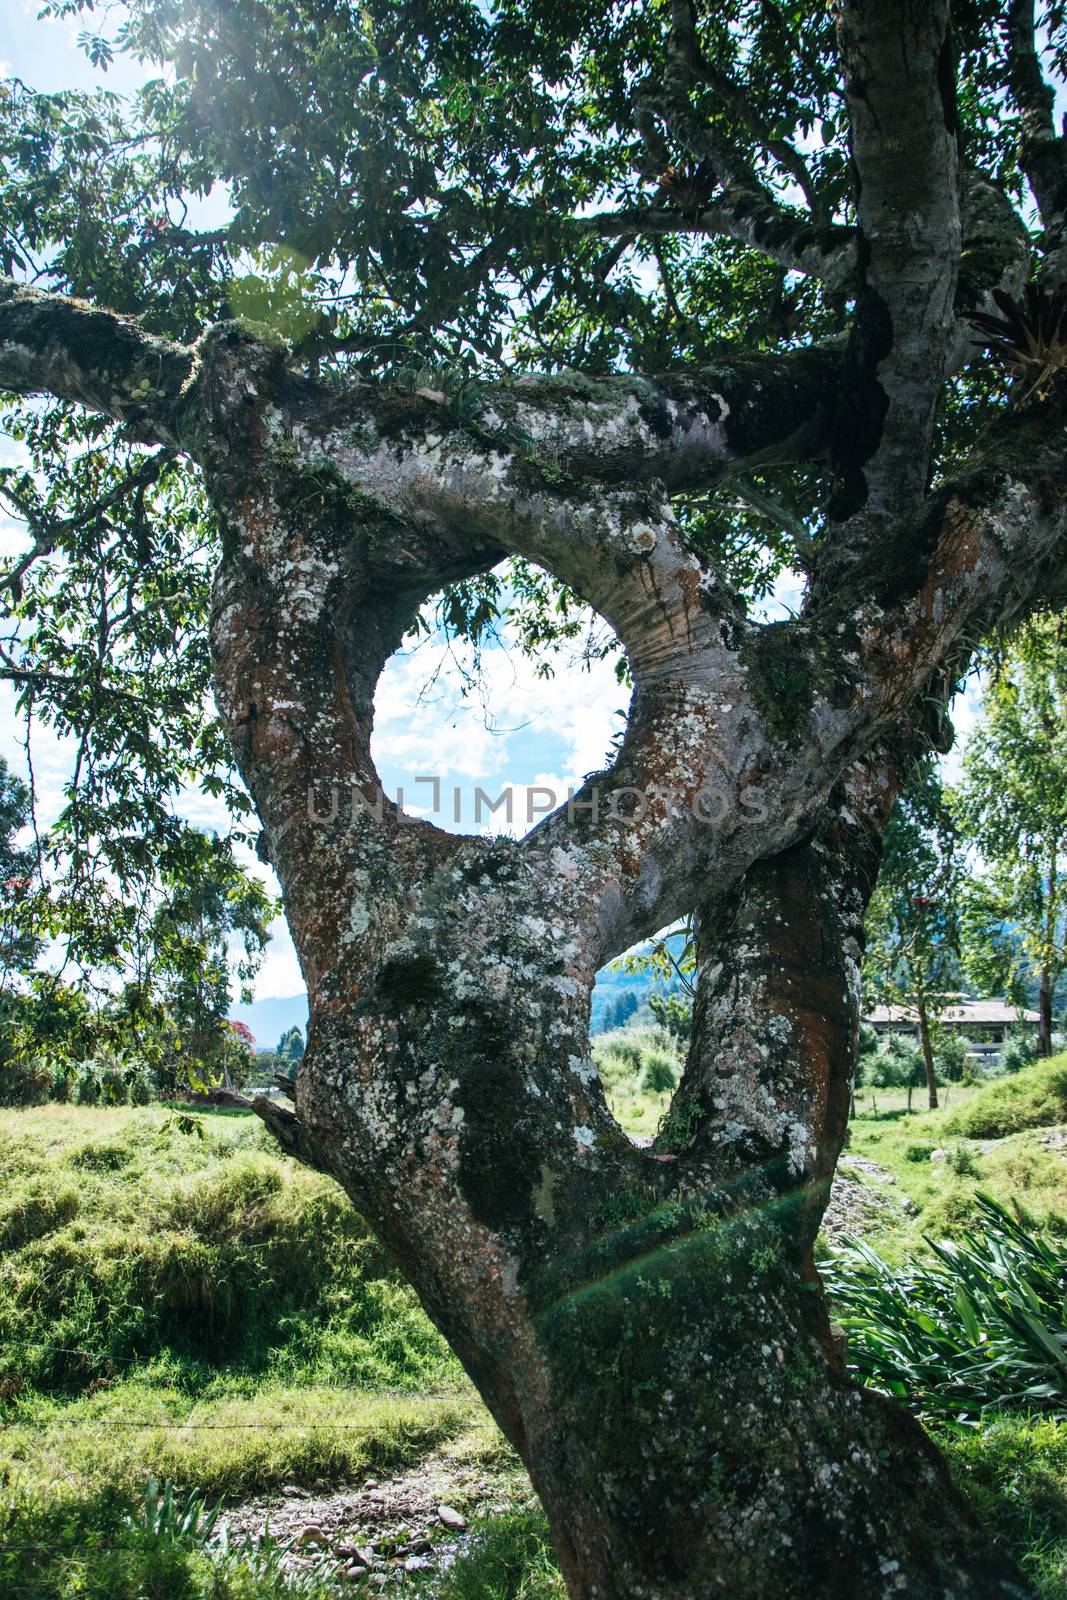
<point>674,1012</point>
<point>19,944</point>
<point>1012,804</point>
<point>291,1045</point>
<point>618,1014</point>
<point>659,302</point>
<point>912,930</point>
<point>208,901</point>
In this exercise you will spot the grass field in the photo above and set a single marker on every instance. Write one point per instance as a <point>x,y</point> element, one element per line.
<point>197,1308</point>
<point>1007,1138</point>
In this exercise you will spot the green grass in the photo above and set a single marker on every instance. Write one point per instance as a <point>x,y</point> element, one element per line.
<point>226,1443</point>
<point>102,1549</point>
<point>97,1549</point>
<point>198,1309</point>
<point>637,1067</point>
<point>509,1558</point>
<point>1036,1097</point>
<point>125,1240</point>
<point>211,1283</point>
<point>1015,1166</point>
<point>1014,1470</point>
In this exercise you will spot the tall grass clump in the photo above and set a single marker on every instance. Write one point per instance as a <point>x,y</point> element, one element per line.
<point>125,1240</point>
<point>1035,1097</point>
<point>981,1327</point>
<point>509,1557</point>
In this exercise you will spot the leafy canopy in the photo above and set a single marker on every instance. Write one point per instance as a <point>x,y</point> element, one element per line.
<point>433,191</point>
<point>1012,802</point>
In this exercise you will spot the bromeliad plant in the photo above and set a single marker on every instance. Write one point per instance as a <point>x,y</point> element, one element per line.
<point>981,1327</point>
<point>1031,336</point>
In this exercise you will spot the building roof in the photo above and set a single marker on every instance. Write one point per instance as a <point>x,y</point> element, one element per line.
<point>977,1013</point>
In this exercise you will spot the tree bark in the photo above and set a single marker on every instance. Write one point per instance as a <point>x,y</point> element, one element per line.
<point>1044,1009</point>
<point>927,1048</point>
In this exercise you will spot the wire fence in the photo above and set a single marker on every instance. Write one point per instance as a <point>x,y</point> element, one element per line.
<point>139,1424</point>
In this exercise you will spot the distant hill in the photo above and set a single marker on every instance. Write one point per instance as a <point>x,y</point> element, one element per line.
<point>619,995</point>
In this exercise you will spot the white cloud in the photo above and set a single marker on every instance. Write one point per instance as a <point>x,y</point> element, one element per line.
<point>280,975</point>
<point>507,729</point>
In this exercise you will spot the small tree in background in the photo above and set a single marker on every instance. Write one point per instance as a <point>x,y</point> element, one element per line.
<point>1012,808</point>
<point>912,921</point>
<point>897,1064</point>
<point>19,944</point>
<point>674,1013</point>
<point>210,902</point>
<point>291,1045</point>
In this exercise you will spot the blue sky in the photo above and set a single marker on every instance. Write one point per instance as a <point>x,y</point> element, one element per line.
<point>518,730</point>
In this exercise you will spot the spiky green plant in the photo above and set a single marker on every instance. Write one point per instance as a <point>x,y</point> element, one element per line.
<point>1031,336</point>
<point>161,1515</point>
<point>980,1327</point>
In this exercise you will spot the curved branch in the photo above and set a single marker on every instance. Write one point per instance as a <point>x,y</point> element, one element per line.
<point>767,723</point>
<point>53,345</point>
<point>826,251</point>
<point>1043,154</point>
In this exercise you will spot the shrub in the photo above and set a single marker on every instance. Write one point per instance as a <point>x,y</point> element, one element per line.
<point>980,1327</point>
<point>660,1072</point>
<point>897,1063</point>
<point>951,1060</point>
<point>962,1160</point>
<point>39,1210</point>
<point>24,1083</point>
<point>625,1053</point>
<point>1020,1050</point>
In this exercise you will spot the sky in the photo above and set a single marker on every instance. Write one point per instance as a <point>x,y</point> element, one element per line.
<point>517,730</point>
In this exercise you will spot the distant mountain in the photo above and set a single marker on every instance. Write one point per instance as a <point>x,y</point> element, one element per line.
<point>619,995</point>
<point>269,1019</point>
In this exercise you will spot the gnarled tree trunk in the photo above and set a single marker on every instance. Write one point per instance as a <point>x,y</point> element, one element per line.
<point>646,1325</point>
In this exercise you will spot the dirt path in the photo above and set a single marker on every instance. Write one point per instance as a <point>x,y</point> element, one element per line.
<point>864,1199</point>
<point>381,1530</point>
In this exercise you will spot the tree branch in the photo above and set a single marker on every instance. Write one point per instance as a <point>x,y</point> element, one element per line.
<point>686,46</point>
<point>1043,154</point>
<point>901,103</point>
<point>53,345</point>
<point>48,531</point>
<point>826,251</point>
